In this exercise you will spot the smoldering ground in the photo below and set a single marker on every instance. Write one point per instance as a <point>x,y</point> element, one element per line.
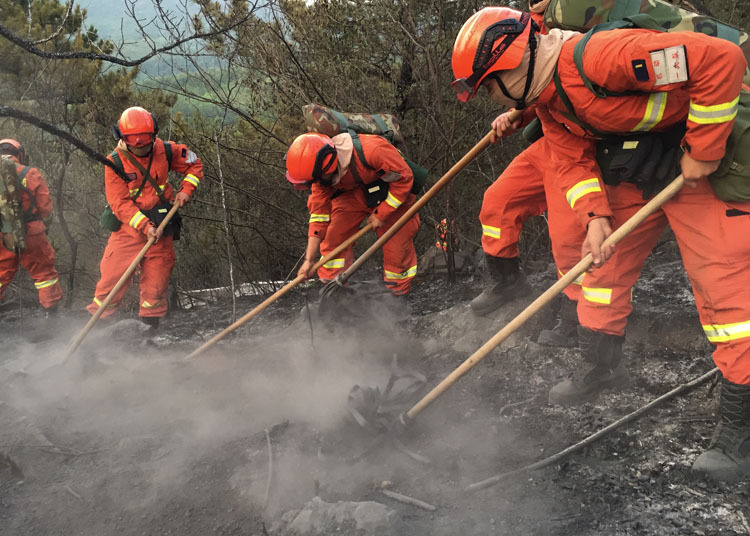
<point>128,438</point>
<point>126,424</point>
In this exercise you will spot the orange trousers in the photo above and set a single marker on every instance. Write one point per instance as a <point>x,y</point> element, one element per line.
<point>714,242</point>
<point>155,269</point>
<point>399,256</point>
<point>39,260</point>
<point>523,190</point>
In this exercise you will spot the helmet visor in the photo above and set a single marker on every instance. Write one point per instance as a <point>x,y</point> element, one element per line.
<point>141,139</point>
<point>297,184</point>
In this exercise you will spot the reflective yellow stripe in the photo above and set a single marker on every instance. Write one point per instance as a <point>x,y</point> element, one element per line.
<point>718,113</point>
<point>192,179</point>
<point>492,232</point>
<point>577,281</point>
<point>318,218</point>
<point>411,272</point>
<point>110,306</point>
<point>727,332</point>
<point>582,188</point>
<point>334,263</point>
<point>654,111</point>
<point>149,305</point>
<point>45,284</point>
<point>392,201</point>
<point>598,295</point>
<point>137,218</point>
<point>23,182</point>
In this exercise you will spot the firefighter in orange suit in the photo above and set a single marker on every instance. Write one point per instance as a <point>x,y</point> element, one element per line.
<point>518,194</point>
<point>38,257</point>
<point>137,205</point>
<point>344,191</point>
<point>662,80</point>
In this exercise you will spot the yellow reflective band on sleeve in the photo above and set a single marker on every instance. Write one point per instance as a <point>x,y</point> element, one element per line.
<point>719,113</point>
<point>192,179</point>
<point>577,281</point>
<point>45,284</point>
<point>492,232</point>
<point>657,102</point>
<point>393,201</point>
<point>395,276</point>
<point>334,263</point>
<point>137,218</point>
<point>727,332</point>
<point>597,295</point>
<point>319,218</point>
<point>582,188</point>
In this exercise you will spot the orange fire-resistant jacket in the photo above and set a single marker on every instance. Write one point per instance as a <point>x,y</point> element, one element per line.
<point>37,187</point>
<point>120,193</point>
<point>387,164</point>
<point>699,84</point>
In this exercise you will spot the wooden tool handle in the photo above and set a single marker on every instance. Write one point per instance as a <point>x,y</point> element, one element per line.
<point>636,219</point>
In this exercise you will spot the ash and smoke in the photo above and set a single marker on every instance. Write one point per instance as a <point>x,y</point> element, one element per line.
<point>152,421</point>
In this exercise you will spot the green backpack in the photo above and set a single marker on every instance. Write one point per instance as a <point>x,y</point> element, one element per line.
<point>12,217</point>
<point>332,122</point>
<point>731,181</point>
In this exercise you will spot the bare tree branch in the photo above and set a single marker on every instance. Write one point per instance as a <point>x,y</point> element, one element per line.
<point>29,46</point>
<point>59,30</point>
<point>7,111</point>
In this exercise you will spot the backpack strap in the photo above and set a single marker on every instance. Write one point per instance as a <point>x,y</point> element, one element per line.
<point>115,156</point>
<point>146,172</point>
<point>358,149</point>
<point>571,113</point>
<point>23,173</point>
<point>639,20</point>
<point>168,153</point>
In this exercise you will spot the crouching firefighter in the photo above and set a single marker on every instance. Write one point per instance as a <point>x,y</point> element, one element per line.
<point>136,207</point>
<point>35,209</point>
<point>353,177</point>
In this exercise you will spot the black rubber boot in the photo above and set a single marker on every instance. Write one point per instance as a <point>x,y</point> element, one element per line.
<point>152,322</point>
<point>604,369</point>
<point>728,455</point>
<point>565,331</point>
<point>507,282</point>
<point>51,313</point>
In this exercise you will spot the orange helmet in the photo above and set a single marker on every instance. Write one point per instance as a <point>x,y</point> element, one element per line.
<point>13,148</point>
<point>136,127</point>
<point>310,157</point>
<point>493,39</point>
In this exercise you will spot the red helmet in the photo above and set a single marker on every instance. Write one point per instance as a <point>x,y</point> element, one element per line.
<point>13,148</point>
<point>310,157</point>
<point>493,39</point>
<point>136,127</point>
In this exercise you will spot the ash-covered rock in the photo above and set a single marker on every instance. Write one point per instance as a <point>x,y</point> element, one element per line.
<point>319,518</point>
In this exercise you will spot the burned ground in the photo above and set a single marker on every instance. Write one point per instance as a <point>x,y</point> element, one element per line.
<point>128,438</point>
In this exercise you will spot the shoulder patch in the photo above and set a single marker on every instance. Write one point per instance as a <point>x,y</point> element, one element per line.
<point>670,65</point>
<point>640,70</point>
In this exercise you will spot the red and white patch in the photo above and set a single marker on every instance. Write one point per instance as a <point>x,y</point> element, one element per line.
<point>670,65</point>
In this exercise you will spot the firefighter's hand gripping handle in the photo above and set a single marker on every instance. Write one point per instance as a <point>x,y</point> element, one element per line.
<point>125,277</point>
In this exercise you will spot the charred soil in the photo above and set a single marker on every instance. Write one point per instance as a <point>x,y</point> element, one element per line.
<point>128,438</point>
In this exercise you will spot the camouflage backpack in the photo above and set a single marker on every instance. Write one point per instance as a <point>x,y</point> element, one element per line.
<point>583,15</point>
<point>11,209</point>
<point>331,122</point>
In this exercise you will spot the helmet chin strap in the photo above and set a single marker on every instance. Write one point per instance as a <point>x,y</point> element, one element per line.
<point>521,102</point>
